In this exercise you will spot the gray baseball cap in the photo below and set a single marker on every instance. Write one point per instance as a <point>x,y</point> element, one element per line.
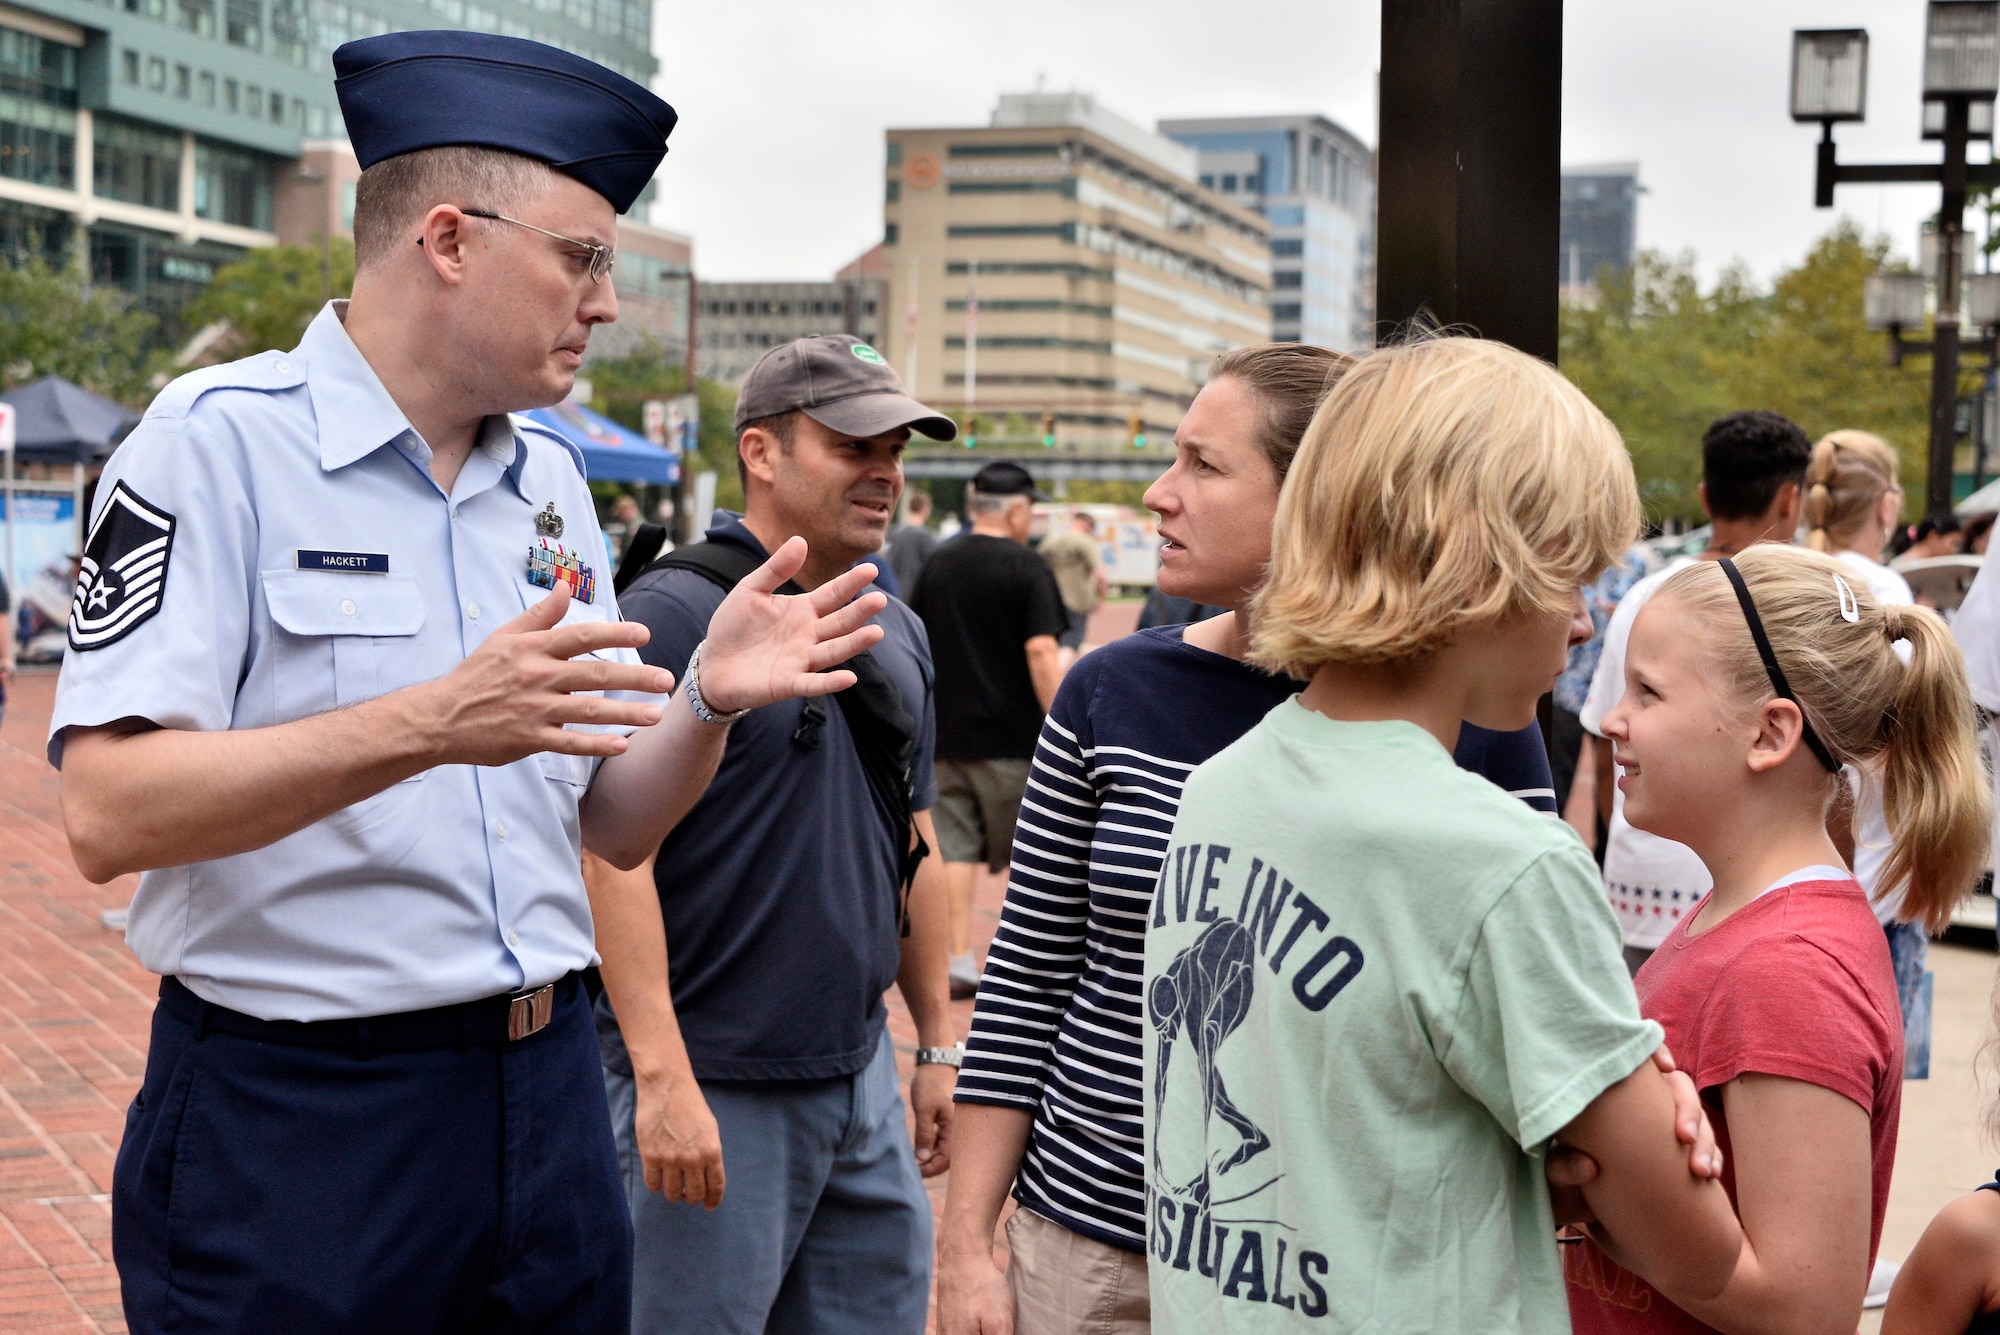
<point>840,382</point>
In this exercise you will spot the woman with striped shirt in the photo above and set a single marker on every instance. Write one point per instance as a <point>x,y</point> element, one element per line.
<point>1049,1097</point>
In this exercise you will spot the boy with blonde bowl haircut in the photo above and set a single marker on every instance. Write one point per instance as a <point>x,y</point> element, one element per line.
<point>1377,988</point>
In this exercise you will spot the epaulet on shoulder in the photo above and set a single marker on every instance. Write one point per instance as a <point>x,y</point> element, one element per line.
<point>265,373</point>
<point>528,427</point>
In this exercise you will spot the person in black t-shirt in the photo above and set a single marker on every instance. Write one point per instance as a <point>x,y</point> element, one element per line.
<point>993,613</point>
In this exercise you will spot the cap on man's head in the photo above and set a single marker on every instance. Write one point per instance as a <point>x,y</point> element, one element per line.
<point>839,382</point>
<point>405,91</point>
<point>1001,478</point>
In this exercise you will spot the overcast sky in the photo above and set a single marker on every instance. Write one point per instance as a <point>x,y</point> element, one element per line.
<point>776,168</point>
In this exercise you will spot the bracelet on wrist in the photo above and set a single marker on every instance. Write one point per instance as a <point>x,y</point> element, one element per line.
<point>691,688</point>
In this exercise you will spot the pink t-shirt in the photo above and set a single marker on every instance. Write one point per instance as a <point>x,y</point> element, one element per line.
<point>1797,983</point>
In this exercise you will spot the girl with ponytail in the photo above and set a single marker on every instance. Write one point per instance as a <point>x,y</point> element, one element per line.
<point>1750,684</point>
<point>1851,508</point>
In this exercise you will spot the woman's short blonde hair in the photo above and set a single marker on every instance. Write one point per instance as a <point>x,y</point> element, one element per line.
<point>1443,483</point>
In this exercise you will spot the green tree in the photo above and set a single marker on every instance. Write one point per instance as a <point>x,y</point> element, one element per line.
<point>620,386</point>
<point>56,322</point>
<point>1664,358</point>
<point>271,294</point>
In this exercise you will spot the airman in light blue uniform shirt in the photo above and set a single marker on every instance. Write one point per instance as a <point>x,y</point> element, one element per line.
<point>464,880</point>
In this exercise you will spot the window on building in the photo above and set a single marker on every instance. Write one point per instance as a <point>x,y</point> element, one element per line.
<point>183,81</point>
<point>892,191</point>
<point>1208,182</point>
<point>128,67</point>
<point>152,9</point>
<point>871,307</point>
<point>232,185</point>
<point>1285,310</point>
<point>136,163</point>
<point>895,154</point>
<point>288,32</point>
<point>243,23</point>
<point>197,16</point>
<point>1287,278</point>
<point>889,234</point>
<point>232,95</point>
<point>38,116</point>
<point>277,107</point>
<point>1229,183</point>
<point>156,74</point>
<point>1285,247</point>
<point>1253,183</point>
<point>204,88</point>
<point>253,99</point>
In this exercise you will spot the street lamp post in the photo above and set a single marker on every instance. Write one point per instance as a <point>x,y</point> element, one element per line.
<point>1961,76</point>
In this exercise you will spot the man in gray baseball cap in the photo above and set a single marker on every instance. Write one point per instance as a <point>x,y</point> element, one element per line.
<point>793,894</point>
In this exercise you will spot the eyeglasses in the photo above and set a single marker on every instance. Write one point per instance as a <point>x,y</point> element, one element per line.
<point>600,260</point>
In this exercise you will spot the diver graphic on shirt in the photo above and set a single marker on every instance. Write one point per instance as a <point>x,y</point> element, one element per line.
<point>1213,1199</point>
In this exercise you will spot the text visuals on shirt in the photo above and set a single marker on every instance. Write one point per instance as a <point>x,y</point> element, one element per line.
<point>1213,1199</point>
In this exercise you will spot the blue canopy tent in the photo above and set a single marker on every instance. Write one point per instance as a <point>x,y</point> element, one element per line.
<point>611,452</point>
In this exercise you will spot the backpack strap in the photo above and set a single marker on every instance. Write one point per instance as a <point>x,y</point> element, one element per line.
<point>884,734</point>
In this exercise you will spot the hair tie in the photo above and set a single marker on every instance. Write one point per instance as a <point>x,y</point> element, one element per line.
<point>1850,610</point>
<point>1892,623</point>
<point>1771,668</point>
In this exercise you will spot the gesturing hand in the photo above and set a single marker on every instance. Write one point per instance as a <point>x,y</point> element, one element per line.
<point>513,695</point>
<point>763,646</point>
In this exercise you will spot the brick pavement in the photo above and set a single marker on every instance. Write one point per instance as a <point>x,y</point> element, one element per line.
<point>74,1013</point>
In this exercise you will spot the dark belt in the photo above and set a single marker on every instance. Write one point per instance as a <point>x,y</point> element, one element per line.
<point>490,1020</point>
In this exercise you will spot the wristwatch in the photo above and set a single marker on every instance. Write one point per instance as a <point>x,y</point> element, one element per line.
<point>691,688</point>
<point>953,1056</point>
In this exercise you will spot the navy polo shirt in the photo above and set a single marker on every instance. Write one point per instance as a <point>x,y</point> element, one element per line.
<point>781,889</point>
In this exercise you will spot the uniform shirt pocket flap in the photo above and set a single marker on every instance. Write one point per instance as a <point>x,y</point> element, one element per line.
<point>313,602</point>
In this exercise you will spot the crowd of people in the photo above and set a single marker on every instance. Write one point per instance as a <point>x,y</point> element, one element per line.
<point>524,929</point>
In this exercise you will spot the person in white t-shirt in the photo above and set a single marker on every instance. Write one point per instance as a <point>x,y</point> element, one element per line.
<point>1852,506</point>
<point>1753,467</point>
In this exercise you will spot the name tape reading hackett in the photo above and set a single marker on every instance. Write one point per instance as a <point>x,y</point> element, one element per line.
<point>354,563</point>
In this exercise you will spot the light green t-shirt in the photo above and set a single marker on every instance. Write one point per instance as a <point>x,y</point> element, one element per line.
<point>1376,986</point>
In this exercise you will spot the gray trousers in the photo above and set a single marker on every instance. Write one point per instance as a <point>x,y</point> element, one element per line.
<point>825,1228</point>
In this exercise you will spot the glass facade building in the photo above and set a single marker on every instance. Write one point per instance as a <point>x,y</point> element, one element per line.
<point>1600,211</point>
<point>152,135</point>
<point>1315,183</point>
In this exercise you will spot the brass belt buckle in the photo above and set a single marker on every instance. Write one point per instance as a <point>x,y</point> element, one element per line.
<point>529,1012</point>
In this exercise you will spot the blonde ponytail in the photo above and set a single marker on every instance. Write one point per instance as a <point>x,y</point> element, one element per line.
<point>1934,788</point>
<point>1913,724</point>
<point>1848,472</point>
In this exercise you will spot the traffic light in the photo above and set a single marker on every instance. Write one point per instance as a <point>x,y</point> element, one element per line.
<point>1048,431</point>
<point>1135,427</point>
<point>972,431</point>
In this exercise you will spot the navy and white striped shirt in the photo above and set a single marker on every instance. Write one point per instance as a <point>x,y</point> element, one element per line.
<point>1057,1026</point>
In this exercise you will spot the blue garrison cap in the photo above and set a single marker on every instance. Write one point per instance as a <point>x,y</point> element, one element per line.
<point>405,91</point>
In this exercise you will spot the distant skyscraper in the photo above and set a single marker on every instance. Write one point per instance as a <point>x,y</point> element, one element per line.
<point>1600,205</point>
<point>1063,260</point>
<point>1315,182</point>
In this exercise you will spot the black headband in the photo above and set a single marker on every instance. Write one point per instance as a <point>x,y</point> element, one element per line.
<point>1771,668</point>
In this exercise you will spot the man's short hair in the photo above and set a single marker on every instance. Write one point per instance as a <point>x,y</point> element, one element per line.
<point>1746,457</point>
<point>919,502</point>
<point>978,502</point>
<point>784,426</point>
<point>392,197</point>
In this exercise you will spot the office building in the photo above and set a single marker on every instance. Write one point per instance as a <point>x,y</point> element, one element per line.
<point>1315,183</point>
<point>1600,210</point>
<point>155,134</point>
<point>739,322</point>
<point>1064,260</point>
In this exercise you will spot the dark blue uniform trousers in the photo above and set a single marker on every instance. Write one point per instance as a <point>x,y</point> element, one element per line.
<point>264,1187</point>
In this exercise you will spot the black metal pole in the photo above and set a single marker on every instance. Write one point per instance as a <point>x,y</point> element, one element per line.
<point>1944,349</point>
<point>1468,222</point>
